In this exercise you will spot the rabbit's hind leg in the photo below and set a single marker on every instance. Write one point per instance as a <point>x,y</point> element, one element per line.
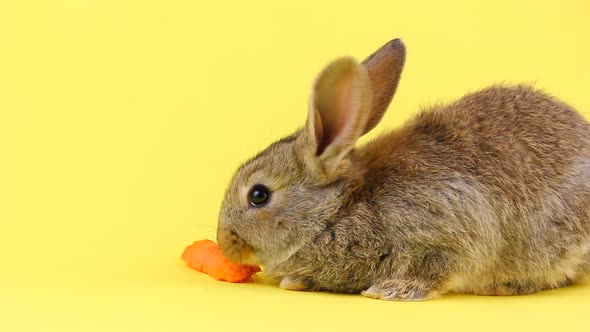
<point>402,290</point>
<point>520,288</point>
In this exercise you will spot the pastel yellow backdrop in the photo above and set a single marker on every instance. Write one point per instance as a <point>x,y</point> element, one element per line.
<point>121,123</point>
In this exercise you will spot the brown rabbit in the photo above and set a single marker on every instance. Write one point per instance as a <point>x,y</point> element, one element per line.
<point>488,195</point>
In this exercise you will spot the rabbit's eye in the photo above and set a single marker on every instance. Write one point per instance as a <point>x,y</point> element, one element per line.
<point>259,195</point>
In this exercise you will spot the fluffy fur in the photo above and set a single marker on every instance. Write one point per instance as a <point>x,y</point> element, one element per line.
<point>487,195</point>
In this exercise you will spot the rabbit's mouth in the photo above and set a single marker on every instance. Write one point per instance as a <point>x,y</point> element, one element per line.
<point>235,248</point>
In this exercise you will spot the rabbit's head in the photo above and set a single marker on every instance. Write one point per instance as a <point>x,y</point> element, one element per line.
<point>287,194</point>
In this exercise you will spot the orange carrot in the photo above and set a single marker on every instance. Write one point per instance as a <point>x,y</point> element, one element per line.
<point>206,256</point>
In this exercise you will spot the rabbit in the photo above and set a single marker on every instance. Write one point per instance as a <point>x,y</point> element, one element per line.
<point>488,195</point>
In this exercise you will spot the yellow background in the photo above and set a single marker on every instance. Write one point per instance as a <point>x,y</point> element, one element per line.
<point>121,123</point>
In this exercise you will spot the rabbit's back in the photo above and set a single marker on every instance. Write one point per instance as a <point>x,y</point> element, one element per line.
<point>509,169</point>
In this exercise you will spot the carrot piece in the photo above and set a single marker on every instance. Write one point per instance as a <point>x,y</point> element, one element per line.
<point>207,257</point>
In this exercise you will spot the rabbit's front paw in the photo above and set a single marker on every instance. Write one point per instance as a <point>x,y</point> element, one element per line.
<point>401,290</point>
<point>295,283</point>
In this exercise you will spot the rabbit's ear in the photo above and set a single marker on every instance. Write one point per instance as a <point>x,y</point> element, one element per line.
<point>338,113</point>
<point>385,68</point>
